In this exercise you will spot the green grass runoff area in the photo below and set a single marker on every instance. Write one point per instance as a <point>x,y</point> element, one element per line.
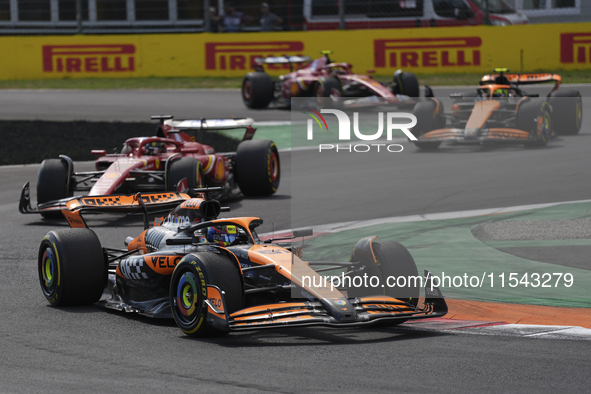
<point>235,82</point>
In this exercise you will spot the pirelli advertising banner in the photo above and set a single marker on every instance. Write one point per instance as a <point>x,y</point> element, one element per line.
<point>422,50</point>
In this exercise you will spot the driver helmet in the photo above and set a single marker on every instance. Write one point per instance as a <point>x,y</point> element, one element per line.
<point>223,235</point>
<point>501,93</point>
<point>154,149</point>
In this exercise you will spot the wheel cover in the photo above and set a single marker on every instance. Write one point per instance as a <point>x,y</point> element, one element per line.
<point>544,127</point>
<point>247,90</point>
<point>274,167</point>
<point>49,272</point>
<point>187,298</point>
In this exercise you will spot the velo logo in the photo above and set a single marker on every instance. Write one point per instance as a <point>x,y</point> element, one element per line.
<point>344,130</point>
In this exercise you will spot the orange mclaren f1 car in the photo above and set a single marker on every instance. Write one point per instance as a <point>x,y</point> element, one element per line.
<point>215,275</point>
<point>499,111</point>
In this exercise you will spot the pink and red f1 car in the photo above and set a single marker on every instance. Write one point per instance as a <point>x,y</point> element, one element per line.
<point>170,161</point>
<point>323,78</point>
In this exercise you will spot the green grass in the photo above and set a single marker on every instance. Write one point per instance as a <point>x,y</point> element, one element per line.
<point>578,76</point>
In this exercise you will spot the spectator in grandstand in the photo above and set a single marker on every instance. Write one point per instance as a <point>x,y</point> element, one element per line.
<point>214,20</point>
<point>233,20</point>
<point>269,20</point>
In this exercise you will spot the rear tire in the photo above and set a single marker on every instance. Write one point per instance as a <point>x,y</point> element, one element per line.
<point>52,184</point>
<point>257,167</point>
<point>71,267</point>
<point>258,90</point>
<point>429,117</point>
<point>567,111</point>
<point>187,291</point>
<point>534,117</point>
<point>406,83</point>
<point>187,170</point>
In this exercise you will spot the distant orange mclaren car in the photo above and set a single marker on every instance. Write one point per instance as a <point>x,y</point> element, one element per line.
<point>500,112</point>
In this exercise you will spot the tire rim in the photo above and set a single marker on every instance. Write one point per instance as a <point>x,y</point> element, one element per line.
<point>274,167</point>
<point>49,274</point>
<point>187,298</point>
<point>247,90</point>
<point>544,126</point>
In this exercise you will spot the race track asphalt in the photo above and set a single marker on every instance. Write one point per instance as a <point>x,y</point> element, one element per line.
<point>87,349</point>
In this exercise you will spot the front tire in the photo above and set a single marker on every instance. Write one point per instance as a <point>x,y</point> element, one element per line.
<point>258,90</point>
<point>184,174</point>
<point>52,184</point>
<point>567,110</point>
<point>406,83</point>
<point>257,167</point>
<point>391,260</point>
<point>328,92</point>
<point>534,117</point>
<point>188,291</point>
<point>71,267</point>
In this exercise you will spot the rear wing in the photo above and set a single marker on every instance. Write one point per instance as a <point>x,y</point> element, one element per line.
<point>209,124</point>
<point>291,60</point>
<point>521,79</point>
<point>169,125</point>
<point>283,60</point>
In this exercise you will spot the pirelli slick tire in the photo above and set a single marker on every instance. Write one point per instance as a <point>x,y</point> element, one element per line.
<point>392,263</point>
<point>52,184</point>
<point>184,174</point>
<point>406,83</point>
<point>535,118</point>
<point>257,167</point>
<point>567,111</point>
<point>258,90</point>
<point>188,291</point>
<point>328,92</point>
<point>71,267</point>
<point>429,114</point>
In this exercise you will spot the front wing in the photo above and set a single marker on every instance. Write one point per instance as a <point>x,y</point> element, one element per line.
<point>367,311</point>
<point>477,135</point>
<point>153,202</point>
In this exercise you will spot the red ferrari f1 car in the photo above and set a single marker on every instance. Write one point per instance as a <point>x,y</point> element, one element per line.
<point>323,78</point>
<point>215,276</point>
<point>499,111</point>
<point>170,161</point>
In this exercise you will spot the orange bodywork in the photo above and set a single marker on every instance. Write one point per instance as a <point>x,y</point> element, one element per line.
<point>292,268</point>
<point>481,112</point>
<point>139,243</point>
<point>215,297</point>
<point>74,219</point>
<point>124,201</point>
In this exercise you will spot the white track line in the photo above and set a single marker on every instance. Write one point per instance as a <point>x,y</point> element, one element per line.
<point>344,226</point>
